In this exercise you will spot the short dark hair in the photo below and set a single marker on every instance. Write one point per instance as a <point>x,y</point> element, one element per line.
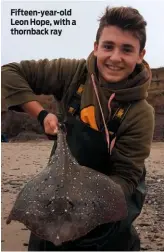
<point>126,18</point>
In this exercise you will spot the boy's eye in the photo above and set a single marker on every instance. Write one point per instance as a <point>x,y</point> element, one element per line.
<point>108,47</point>
<point>127,50</point>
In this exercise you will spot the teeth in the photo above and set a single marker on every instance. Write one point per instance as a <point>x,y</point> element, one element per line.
<point>113,67</point>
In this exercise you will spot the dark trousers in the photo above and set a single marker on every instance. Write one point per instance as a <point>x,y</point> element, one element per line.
<point>123,241</point>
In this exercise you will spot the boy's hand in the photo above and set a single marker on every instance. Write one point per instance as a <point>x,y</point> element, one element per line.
<point>51,124</point>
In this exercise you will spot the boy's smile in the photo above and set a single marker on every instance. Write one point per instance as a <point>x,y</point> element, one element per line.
<point>117,53</point>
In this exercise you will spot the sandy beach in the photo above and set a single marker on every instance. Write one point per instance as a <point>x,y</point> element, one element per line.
<point>21,160</point>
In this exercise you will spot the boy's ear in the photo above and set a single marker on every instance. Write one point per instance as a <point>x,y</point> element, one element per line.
<point>95,48</point>
<point>141,56</point>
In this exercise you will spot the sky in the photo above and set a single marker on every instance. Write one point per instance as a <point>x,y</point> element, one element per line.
<point>75,41</point>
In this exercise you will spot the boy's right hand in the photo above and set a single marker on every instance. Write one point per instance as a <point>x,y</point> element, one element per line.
<point>51,124</point>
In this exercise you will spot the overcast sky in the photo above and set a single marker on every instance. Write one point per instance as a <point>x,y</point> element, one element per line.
<point>75,41</point>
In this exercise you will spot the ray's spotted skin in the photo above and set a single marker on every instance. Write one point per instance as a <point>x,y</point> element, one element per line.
<point>66,201</point>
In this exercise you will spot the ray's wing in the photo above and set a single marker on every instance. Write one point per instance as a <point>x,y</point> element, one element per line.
<point>65,201</point>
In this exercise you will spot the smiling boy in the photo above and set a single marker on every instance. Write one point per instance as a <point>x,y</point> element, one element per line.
<point>125,53</point>
<point>121,76</point>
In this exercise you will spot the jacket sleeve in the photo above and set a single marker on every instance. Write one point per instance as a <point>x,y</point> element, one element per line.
<point>21,82</point>
<point>132,148</point>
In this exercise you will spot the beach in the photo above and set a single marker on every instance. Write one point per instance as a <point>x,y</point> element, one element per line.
<point>22,160</point>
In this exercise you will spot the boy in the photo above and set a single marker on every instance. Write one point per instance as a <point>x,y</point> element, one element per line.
<point>122,77</point>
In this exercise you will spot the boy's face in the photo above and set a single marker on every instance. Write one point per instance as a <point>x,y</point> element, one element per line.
<point>117,53</point>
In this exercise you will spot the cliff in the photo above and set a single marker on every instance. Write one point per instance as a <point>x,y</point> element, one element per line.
<point>156,99</point>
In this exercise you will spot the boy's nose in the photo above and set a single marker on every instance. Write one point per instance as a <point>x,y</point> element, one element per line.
<point>115,56</point>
